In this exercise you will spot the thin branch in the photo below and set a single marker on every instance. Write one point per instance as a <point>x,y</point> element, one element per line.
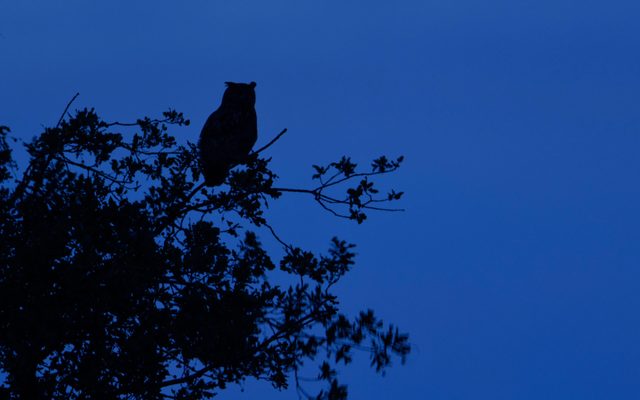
<point>21,187</point>
<point>275,235</point>
<point>383,209</point>
<point>194,191</point>
<point>314,192</point>
<point>332,211</point>
<point>101,174</point>
<point>127,146</point>
<point>67,108</point>
<point>266,146</point>
<point>299,389</point>
<point>137,123</point>
<point>187,378</point>
<point>359,174</point>
<point>334,176</point>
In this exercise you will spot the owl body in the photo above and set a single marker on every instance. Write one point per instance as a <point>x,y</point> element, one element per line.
<point>229,133</point>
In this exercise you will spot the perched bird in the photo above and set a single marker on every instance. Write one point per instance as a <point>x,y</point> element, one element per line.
<point>229,133</point>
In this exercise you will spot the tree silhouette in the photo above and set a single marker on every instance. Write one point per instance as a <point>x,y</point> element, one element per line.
<point>122,277</point>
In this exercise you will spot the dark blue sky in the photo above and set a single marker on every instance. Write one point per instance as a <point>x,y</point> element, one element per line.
<point>516,265</point>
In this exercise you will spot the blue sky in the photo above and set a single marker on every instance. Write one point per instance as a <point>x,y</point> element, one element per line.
<point>515,267</point>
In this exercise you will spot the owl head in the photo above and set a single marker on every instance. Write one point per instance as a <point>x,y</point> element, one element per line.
<point>239,94</point>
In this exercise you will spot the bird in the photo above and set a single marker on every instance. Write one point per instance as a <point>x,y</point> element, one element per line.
<point>229,133</point>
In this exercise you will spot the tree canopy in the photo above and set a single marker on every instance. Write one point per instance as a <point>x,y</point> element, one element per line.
<point>123,277</point>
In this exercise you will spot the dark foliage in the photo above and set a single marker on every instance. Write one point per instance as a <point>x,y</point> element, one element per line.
<point>121,277</point>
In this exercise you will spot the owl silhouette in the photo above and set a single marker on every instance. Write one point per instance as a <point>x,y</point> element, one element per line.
<point>229,133</point>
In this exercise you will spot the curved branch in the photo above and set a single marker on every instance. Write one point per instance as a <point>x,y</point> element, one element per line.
<point>266,146</point>
<point>67,108</point>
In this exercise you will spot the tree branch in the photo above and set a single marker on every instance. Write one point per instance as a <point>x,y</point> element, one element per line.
<point>266,146</point>
<point>67,109</point>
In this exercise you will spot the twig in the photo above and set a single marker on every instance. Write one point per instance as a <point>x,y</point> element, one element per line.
<point>383,208</point>
<point>137,123</point>
<point>331,210</point>
<point>299,389</point>
<point>67,108</point>
<point>104,175</point>
<point>275,235</point>
<point>275,139</point>
<point>277,189</point>
<point>359,174</point>
<point>21,187</point>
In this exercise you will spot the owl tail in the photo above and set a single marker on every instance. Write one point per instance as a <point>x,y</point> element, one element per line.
<point>215,174</point>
